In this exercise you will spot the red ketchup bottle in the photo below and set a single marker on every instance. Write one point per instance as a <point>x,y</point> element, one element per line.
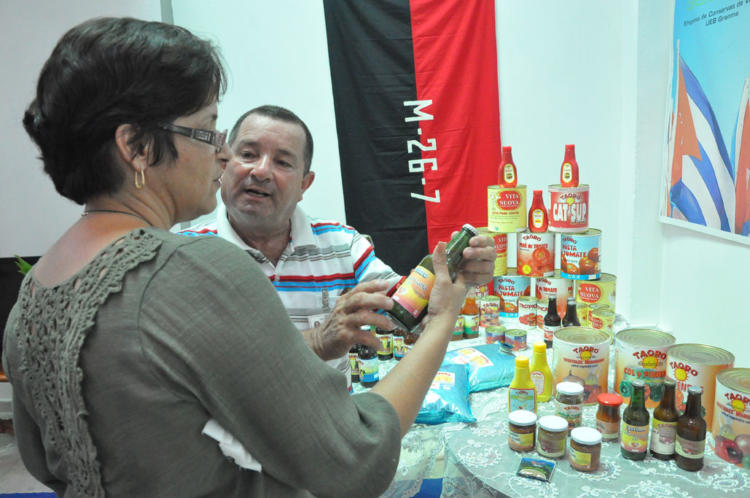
<point>538,218</point>
<point>506,173</point>
<point>569,168</point>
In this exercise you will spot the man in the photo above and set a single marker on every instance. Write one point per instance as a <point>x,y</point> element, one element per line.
<point>312,263</point>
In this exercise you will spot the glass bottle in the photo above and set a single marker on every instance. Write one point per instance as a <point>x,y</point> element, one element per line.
<point>541,374</point>
<point>368,366</point>
<point>507,176</point>
<point>538,217</point>
<point>634,427</point>
<point>569,168</point>
<point>354,362</point>
<point>571,314</point>
<point>386,344</point>
<point>551,321</point>
<point>411,298</point>
<point>522,392</point>
<point>691,433</point>
<point>398,343</point>
<point>470,315</point>
<point>664,424</point>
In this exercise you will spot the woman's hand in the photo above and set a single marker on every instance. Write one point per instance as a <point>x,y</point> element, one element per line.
<point>446,297</point>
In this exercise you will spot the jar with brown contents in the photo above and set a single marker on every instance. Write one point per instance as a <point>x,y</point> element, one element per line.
<point>553,432</point>
<point>585,449</point>
<point>608,416</point>
<point>569,403</point>
<point>521,430</point>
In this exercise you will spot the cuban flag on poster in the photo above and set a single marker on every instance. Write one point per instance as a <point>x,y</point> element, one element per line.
<point>702,188</point>
<point>741,154</point>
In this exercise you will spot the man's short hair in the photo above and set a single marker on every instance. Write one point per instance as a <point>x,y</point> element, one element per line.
<point>282,114</point>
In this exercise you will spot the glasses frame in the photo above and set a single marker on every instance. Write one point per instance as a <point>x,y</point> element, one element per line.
<point>211,137</point>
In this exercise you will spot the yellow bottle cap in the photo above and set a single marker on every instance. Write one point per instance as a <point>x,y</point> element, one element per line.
<point>540,347</point>
<point>522,361</point>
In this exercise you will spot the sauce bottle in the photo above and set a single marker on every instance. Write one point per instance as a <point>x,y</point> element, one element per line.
<point>354,362</point>
<point>569,168</point>
<point>691,433</point>
<point>571,314</point>
<point>386,344</point>
<point>538,218</point>
<point>634,428</point>
<point>522,392</point>
<point>664,424</point>
<point>470,315</point>
<point>368,366</point>
<point>541,375</point>
<point>411,298</point>
<point>551,321</point>
<point>507,175</point>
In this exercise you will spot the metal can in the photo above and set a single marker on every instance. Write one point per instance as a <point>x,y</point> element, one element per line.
<point>581,354</point>
<point>495,333</point>
<point>501,250</point>
<point>697,365</point>
<point>602,319</point>
<point>583,313</point>
<point>527,311</point>
<point>541,309</point>
<point>731,426</point>
<point>516,339</point>
<point>556,285</point>
<point>511,286</point>
<point>506,209</point>
<point>535,254</point>
<point>592,309</point>
<point>569,208</point>
<point>642,354</point>
<point>580,255</point>
<point>601,292</point>
<point>489,311</point>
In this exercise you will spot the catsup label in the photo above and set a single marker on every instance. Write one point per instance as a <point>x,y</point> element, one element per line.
<point>569,208</point>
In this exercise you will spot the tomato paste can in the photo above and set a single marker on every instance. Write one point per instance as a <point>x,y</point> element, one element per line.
<point>602,319</point>
<point>489,311</point>
<point>581,354</point>
<point>697,365</point>
<point>602,291</point>
<point>642,354</point>
<point>494,333</point>
<point>541,309</point>
<point>516,339</point>
<point>506,209</point>
<point>569,208</point>
<point>527,312</point>
<point>583,313</point>
<point>501,250</point>
<point>731,427</point>
<point>579,255</point>
<point>511,286</point>
<point>554,285</point>
<point>535,254</point>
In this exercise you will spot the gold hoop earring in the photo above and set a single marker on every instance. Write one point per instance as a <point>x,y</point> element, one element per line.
<point>140,182</point>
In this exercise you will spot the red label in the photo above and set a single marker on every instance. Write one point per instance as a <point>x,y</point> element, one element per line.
<point>589,293</point>
<point>508,200</point>
<point>501,243</point>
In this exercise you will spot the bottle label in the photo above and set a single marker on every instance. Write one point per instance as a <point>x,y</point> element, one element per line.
<point>368,370</point>
<point>537,218</point>
<point>549,332</point>
<point>386,344</point>
<point>508,175</point>
<point>521,399</point>
<point>690,449</point>
<point>610,430</point>
<point>634,438</point>
<point>354,363</point>
<point>572,413</point>
<point>537,378</point>
<point>580,458</point>
<point>414,293</point>
<point>522,440</point>
<point>398,347</point>
<point>471,325</point>
<point>567,173</point>
<point>663,436</point>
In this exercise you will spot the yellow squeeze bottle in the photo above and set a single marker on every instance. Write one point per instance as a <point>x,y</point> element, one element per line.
<point>541,375</point>
<point>522,392</point>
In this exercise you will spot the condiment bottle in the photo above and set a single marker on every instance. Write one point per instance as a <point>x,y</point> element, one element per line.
<point>354,362</point>
<point>507,176</point>
<point>634,428</point>
<point>541,375</point>
<point>521,430</point>
<point>551,321</point>
<point>398,343</point>
<point>551,436</point>
<point>608,416</point>
<point>522,393</point>
<point>458,329</point>
<point>571,314</point>
<point>691,433</point>
<point>368,366</point>
<point>664,424</point>
<point>470,314</point>
<point>410,338</point>
<point>538,217</point>
<point>569,403</point>
<point>411,298</point>
<point>569,168</point>
<point>386,344</point>
<point>585,449</point>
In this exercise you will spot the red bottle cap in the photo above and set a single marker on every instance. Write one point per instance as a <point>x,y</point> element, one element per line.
<point>537,192</point>
<point>609,399</point>
<point>570,151</point>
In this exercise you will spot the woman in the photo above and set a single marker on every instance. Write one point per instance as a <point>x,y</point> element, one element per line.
<point>127,339</point>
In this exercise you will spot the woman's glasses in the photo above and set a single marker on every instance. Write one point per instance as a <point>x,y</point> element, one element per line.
<point>215,138</point>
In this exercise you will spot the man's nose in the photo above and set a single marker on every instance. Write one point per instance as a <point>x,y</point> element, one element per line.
<point>261,169</point>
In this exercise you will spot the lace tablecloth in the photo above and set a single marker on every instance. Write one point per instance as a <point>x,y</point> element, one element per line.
<point>474,459</point>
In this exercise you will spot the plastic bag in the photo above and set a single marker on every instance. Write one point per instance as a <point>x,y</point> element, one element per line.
<point>448,397</point>
<point>489,366</point>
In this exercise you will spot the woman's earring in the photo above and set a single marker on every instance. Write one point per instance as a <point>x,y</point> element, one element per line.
<point>140,182</point>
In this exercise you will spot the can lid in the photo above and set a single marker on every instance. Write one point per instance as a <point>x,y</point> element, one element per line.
<point>609,399</point>
<point>586,435</point>
<point>737,379</point>
<point>522,417</point>
<point>553,423</point>
<point>471,229</point>
<point>572,388</point>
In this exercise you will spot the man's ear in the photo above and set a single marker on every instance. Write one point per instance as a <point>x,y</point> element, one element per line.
<point>133,154</point>
<point>307,180</point>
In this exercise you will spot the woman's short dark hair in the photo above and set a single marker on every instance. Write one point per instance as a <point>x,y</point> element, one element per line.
<point>107,72</point>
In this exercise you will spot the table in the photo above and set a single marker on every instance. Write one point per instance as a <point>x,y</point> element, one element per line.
<point>475,460</point>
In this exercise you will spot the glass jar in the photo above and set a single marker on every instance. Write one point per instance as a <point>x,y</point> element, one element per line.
<point>551,436</point>
<point>608,416</point>
<point>585,449</point>
<point>569,403</point>
<point>521,430</point>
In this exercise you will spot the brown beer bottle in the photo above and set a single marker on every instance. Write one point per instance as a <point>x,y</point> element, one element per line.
<point>411,298</point>
<point>571,314</point>
<point>691,433</point>
<point>664,424</point>
<point>551,321</point>
<point>634,428</point>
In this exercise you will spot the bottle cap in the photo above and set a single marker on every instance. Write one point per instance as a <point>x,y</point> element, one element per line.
<point>540,347</point>
<point>471,229</point>
<point>571,147</point>
<point>695,390</point>
<point>570,388</point>
<point>586,435</point>
<point>537,192</point>
<point>638,383</point>
<point>522,361</point>
<point>507,149</point>
<point>668,381</point>
<point>522,417</point>
<point>553,423</point>
<point>609,399</point>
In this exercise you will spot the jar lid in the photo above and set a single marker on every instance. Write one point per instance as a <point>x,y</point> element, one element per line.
<point>553,423</point>
<point>609,399</point>
<point>572,388</point>
<point>586,435</point>
<point>522,417</point>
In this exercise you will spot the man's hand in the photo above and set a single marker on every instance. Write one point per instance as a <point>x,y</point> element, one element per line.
<point>478,264</point>
<point>353,309</point>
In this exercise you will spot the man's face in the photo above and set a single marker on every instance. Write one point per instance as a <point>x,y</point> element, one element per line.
<point>264,180</point>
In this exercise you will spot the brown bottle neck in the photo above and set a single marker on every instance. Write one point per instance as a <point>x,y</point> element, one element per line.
<point>693,407</point>
<point>636,402</point>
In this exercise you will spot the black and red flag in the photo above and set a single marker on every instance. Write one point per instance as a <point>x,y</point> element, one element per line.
<point>416,97</point>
